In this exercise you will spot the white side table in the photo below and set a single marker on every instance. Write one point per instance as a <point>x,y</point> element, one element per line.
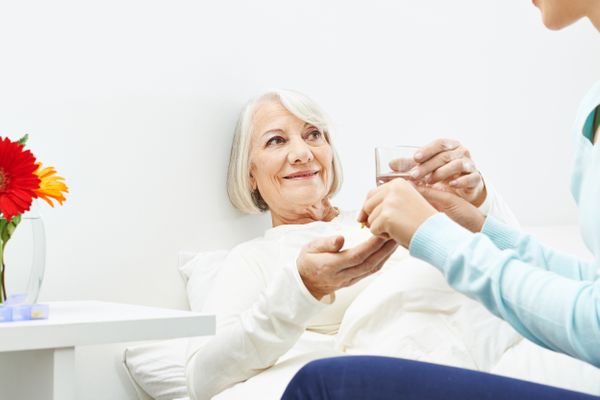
<point>37,358</point>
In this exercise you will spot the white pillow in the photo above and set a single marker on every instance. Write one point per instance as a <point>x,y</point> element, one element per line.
<point>409,311</point>
<point>199,274</point>
<point>159,368</point>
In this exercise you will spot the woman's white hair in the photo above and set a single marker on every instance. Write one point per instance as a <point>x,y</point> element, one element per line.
<point>239,189</point>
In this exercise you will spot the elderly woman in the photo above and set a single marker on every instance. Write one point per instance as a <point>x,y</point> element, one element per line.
<point>306,270</point>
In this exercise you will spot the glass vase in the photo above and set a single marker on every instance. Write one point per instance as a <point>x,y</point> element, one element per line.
<point>24,257</point>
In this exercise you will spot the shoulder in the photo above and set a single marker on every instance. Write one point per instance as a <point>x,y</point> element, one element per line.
<point>254,257</point>
<point>590,101</point>
<point>252,249</point>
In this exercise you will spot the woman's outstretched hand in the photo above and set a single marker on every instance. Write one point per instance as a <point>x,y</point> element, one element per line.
<point>325,268</point>
<point>395,211</point>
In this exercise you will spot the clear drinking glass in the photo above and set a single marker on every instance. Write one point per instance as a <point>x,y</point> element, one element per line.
<point>394,162</point>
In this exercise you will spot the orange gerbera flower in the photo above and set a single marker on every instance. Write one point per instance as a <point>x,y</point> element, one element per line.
<point>17,178</point>
<point>51,186</point>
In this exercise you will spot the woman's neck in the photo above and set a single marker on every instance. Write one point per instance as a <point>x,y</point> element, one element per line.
<point>322,211</point>
<point>594,13</point>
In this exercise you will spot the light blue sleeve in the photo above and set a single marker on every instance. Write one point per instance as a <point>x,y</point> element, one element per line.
<point>530,251</point>
<point>556,312</point>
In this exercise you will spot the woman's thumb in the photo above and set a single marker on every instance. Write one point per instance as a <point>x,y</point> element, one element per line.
<point>331,244</point>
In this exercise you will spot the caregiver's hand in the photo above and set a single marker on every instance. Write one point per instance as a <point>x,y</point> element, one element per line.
<point>447,161</point>
<point>395,210</point>
<point>325,268</point>
<point>458,209</point>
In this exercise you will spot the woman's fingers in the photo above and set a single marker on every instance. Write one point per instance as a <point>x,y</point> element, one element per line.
<point>359,254</point>
<point>322,267</point>
<point>372,271</point>
<point>370,264</point>
<point>331,244</point>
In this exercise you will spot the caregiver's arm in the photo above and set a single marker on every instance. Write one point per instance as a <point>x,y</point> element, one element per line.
<point>526,248</point>
<point>259,320</point>
<point>556,312</point>
<point>531,251</point>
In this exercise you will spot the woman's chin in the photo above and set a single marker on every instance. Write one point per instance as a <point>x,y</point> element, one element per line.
<point>305,196</point>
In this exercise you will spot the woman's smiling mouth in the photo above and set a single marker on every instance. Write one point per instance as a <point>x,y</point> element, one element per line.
<point>301,175</point>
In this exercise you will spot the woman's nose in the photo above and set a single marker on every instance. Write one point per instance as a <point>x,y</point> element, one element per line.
<point>300,152</point>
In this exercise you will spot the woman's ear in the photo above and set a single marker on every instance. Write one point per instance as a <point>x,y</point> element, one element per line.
<point>252,182</point>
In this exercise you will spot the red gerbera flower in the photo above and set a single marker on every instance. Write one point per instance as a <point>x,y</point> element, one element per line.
<point>18,180</point>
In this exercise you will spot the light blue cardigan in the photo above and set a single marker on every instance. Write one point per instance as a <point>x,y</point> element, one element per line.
<point>551,298</point>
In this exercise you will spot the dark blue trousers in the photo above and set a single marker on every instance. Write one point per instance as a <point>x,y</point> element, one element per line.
<point>384,378</point>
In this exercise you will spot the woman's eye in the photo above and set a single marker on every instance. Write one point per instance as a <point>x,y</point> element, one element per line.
<point>275,140</point>
<point>315,135</point>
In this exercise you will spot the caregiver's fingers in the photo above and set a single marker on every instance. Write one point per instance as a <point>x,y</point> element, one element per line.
<point>378,223</point>
<point>439,160</point>
<point>455,207</point>
<point>439,198</point>
<point>402,164</point>
<point>469,181</point>
<point>437,146</point>
<point>374,198</point>
<point>362,217</point>
<point>454,168</point>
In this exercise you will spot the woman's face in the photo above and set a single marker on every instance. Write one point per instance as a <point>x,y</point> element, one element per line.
<point>290,160</point>
<point>558,14</point>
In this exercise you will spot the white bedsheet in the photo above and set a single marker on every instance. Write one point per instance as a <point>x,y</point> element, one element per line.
<point>410,312</point>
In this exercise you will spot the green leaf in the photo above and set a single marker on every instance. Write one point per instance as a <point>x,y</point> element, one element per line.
<point>24,139</point>
<point>8,228</point>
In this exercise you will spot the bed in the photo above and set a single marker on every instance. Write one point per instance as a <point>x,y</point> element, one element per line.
<point>384,319</point>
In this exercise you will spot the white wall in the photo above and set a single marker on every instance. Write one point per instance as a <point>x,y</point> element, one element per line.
<point>135,102</point>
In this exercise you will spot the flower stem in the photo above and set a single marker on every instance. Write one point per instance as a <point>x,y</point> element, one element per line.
<point>6,230</point>
<point>2,268</point>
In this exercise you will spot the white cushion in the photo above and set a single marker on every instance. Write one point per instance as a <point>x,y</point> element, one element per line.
<point>159,368</point>
<point>199,274</point>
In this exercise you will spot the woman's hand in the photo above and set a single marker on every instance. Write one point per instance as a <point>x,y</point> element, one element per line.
<point>325,268</point>
<point>395,210</point>
<point>447,161</point>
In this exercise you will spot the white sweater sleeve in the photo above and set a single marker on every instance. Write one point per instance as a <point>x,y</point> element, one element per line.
<point>495,206</point>
<point>257,322</point>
